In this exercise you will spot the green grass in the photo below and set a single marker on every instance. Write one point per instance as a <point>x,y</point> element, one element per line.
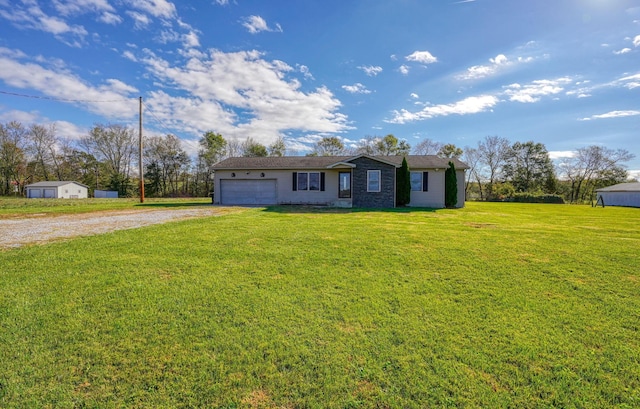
<point>494,305</point>
<point>20,207</point>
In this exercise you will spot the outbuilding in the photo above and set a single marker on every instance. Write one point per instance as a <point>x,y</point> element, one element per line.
<point>622,194</point>
<point>57,190</point>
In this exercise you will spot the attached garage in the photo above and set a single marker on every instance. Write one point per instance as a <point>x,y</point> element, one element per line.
<point>623,194</point>
<point>248,192</point>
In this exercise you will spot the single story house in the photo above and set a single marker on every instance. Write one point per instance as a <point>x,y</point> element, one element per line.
<point>340,181</point>
<point>622,194</point>
<point>57,190</point>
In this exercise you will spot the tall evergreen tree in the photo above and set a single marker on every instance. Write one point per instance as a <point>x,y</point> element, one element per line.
<point>450,186</point>
<point>403,184</point>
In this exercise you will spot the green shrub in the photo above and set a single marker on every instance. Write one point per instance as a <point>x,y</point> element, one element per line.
<point>536,198</point>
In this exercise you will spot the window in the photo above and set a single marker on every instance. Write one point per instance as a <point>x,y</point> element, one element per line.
<point>416,181</point>
<point>344,189</point>
<point>312,181</point>
<point>303,178</point>
<point>373,181</point>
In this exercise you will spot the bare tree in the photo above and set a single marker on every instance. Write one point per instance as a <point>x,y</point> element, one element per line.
<point>591,165</point>
<point>278,147</point>
<point>13,141</point>
<point>427,147</point>
<point>493,152</point>
<point>116,146</point>
<point>43,147</point>
<point>471,157</point>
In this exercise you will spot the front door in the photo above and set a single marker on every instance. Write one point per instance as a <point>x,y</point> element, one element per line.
<point>344,185</point>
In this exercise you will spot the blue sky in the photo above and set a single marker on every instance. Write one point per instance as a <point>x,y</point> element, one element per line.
<point>564,73</point>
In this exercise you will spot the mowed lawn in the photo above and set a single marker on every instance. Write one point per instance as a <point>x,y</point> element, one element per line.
<point>494,305</point>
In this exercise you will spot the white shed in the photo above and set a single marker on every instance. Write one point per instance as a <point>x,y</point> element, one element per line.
<point>623,194</point>
<point>57,190</point>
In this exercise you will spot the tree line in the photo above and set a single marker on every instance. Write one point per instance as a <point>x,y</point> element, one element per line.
<point>106,158</point>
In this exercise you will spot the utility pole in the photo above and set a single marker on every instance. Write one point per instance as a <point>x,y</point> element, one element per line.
<point>140,157</point>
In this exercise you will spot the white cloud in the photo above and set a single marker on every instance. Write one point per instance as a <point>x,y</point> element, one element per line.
<point>110,18</point>
<point>219,84</point>
<point>356,88</point>
<point>498,64</point>
<point>371,70</point>
<point>534,91</point>
<point>414,95</point>
<point>60,84</point>
<point>553,155</point>
<point>140,20</point>
<point>222,2</point>
<point>32,17</point>
<point>404,69</point>
<point>470,105</point>
<point>612,114</point>
<point>256,24</point>
<point>630,81</point>
<point>636,41</point>
<point>623,51</point>
<point>305,71</point>
<point>157,8</point>
<point>423,57</point>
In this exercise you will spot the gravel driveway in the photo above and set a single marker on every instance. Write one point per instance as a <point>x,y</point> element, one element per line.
<point>42,229</point>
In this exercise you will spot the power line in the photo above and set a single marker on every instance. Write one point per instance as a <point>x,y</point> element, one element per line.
<point>149,111</point>
<point>14,94</point>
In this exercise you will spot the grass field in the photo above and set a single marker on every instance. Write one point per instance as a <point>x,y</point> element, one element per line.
<point>494,305</point>
<point>20,207</point>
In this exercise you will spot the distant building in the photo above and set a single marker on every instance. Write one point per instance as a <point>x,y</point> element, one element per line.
<point>57,190</point>
<point>623,194</point>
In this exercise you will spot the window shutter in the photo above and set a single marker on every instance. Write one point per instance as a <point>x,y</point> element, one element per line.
<point>295,181</point>
<point>322,181</point>
<point>425,181</point>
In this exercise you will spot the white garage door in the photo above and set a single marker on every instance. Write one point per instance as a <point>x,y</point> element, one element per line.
<point>49,193</point>
<point>248,192</point>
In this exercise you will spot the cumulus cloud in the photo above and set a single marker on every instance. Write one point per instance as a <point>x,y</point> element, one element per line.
<point>371,70</point>
<point>59,83</point>
<point>218,84</point>
<point>157,8</point>
<point>553,155</point>
<point>140,20</point>
<point>470,105</point>
<point>423,57</point>
<point>31,16</point>
<point>356,88</point>
<point>612,114</point>
<point>636,41</point>
<point>256,24</point>
<point>534,91</point>
<point>404,69</point>
<point>496,65</point>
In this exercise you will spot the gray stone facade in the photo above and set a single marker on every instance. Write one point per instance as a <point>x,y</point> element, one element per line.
<point>386,197</point>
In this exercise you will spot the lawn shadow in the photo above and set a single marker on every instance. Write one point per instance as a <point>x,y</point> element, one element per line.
<point>343,210</point>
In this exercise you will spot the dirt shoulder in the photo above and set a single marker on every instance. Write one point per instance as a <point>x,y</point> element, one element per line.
<point>36,229</point>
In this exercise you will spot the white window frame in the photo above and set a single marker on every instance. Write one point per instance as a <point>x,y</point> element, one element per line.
<point>369,180</point>
<point>419,188</point>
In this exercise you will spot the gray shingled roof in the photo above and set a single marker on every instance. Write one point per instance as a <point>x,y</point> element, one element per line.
<point>321,162</point>
<point>621,187</point>
<point>54,183</point>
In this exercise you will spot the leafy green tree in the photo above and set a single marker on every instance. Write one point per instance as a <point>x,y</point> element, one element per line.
<point>529,168</point>
<point>450,186</point>
<point>328,146</point>
<point>253,149</point>
<point>450,151</point>
<point>278,147</point>
<point>403,187</point>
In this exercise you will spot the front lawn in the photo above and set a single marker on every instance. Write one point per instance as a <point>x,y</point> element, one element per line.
<point>494,305</point>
